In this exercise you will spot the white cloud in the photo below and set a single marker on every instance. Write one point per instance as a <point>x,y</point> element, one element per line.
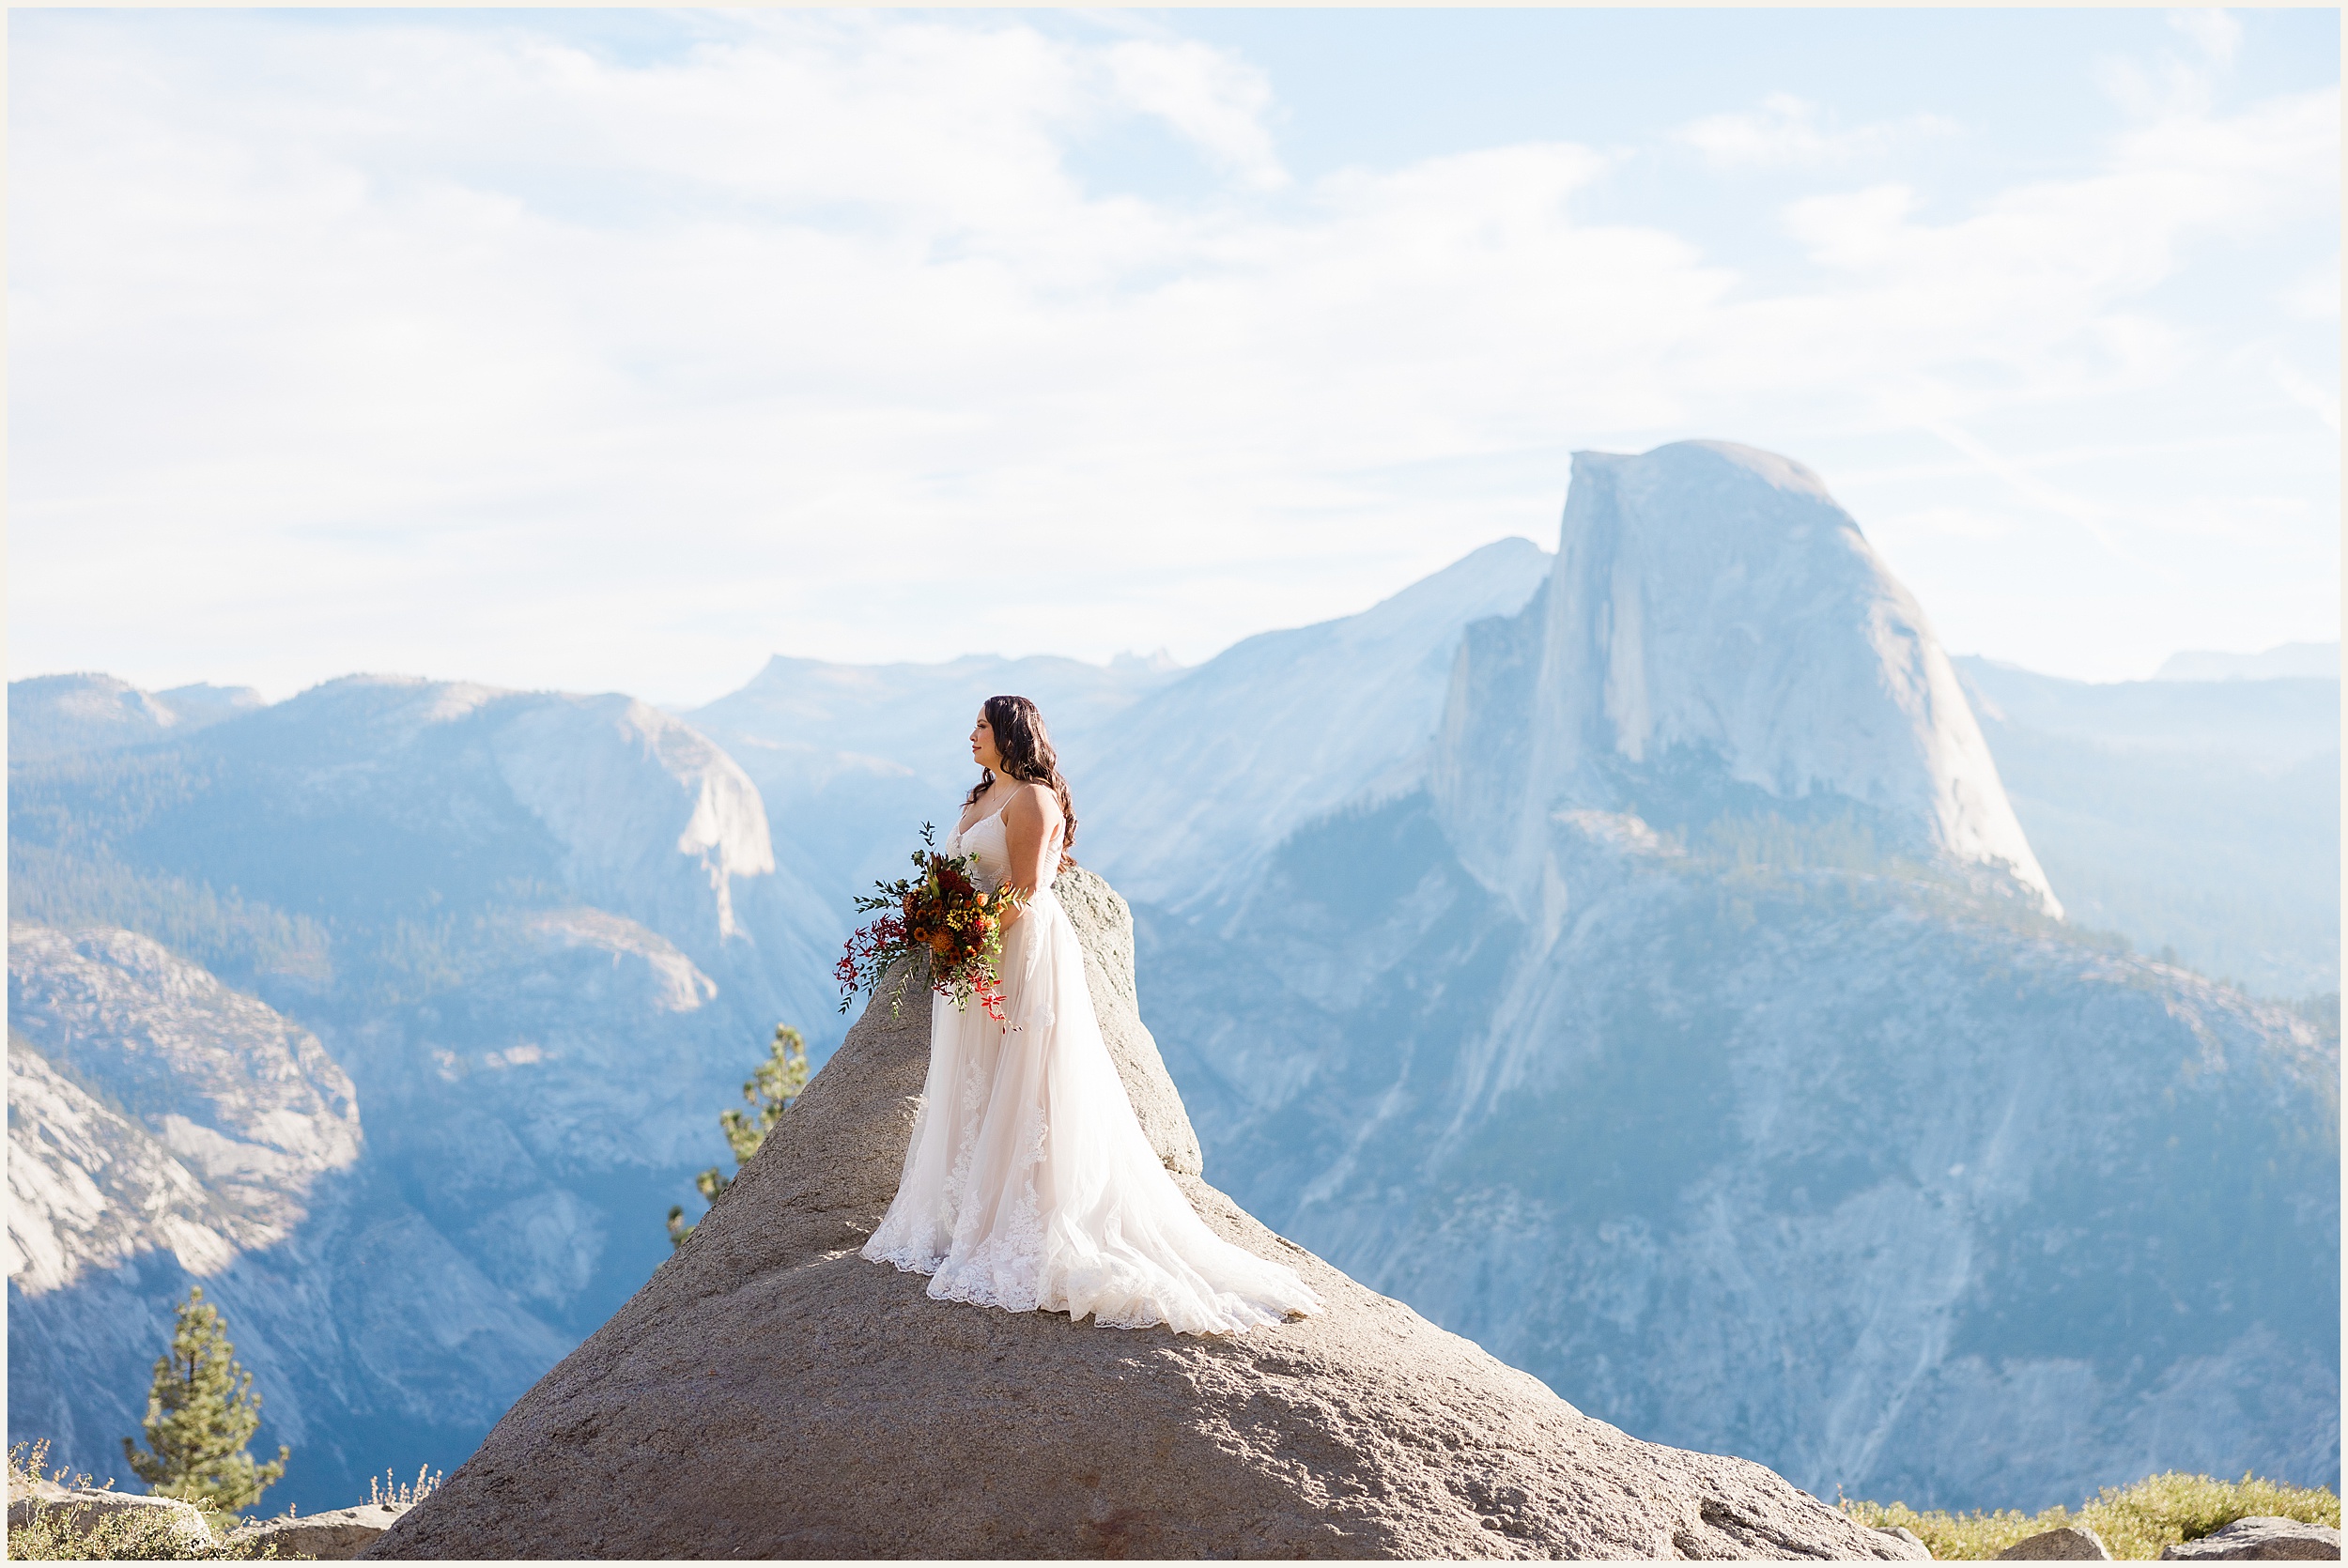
<point>2315,296</point>
<point>2323,402</point>
<point>1786,129</point>
<point>398,345</point>
<point>1217,101</point>
<point>2215,32</point>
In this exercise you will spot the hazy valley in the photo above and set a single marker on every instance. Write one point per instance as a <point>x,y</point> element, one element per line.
<point>1657,961</point>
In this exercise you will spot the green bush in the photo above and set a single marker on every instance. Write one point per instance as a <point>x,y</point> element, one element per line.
<point>2133,1521</point>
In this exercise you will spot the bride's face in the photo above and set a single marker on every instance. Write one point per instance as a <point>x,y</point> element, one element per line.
<point>982,743</point>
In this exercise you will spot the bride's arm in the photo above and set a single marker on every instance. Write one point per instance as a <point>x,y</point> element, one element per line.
<point>1031,837</point>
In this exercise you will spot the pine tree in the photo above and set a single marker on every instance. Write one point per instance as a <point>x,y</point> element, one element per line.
<point>200,1414</point>
<point>770,1091</point>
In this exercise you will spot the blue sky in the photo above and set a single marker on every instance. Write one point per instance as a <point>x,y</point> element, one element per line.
<point>619,349</point>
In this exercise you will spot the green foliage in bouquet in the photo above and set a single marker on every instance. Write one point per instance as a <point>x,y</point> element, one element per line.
<point>940,915</point>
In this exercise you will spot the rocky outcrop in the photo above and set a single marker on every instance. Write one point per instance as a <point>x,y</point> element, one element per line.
<point>223,1115</point>
<point>2071,1543</point>
<point>2261,1538</point>
<point>1717,635</point>
<point>336,1536</point>
<point>770,1393</point>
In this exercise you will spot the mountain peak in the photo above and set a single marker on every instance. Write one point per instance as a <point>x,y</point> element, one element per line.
<point>1721,462</point>
<point>1717,633</point>
<point>54,716</point>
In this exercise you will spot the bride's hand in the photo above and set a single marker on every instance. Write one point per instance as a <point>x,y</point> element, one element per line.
<point>1032,831</point>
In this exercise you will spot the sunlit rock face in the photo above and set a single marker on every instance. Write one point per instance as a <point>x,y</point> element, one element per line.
<point>1716,635</point>
<point>1704,1038</point>
<point>151,1108</point>
<point>165,1131</point>
<point>538,939</point>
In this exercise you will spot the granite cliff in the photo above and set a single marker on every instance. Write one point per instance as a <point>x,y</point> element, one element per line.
<point>506,953</point>
<point>1703,1038</point>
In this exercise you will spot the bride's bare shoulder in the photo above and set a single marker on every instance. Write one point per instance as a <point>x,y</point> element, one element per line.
<point>1034,804</point>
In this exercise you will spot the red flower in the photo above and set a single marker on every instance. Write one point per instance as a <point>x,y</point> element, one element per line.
<point>941,913</point>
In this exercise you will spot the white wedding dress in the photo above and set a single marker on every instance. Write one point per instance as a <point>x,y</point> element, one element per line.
<point>1029,1184</point>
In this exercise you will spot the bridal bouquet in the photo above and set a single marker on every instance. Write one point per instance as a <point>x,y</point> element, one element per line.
<point>940,912</point>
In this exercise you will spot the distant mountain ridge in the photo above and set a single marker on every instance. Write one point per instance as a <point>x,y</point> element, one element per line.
<point>543,936</point>
<point>1703,1033</point>
<point>2201,819</point>
<point>1194,788</point>
<point>2306,660</point>
<point>1681,1020</point>
<point>51,716</point>
<point>856,757</point>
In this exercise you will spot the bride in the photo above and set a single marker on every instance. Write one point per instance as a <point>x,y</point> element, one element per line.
<point>1029,1184</point>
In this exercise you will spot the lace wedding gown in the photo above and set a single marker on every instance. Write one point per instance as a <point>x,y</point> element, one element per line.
<point>1029,1184</point>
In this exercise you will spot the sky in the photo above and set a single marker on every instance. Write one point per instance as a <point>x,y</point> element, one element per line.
<point>618,351</point>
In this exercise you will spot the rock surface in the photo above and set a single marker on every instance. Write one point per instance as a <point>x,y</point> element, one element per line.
<point>538,938</point>
<point>2071,1543</point>
<point>334,1536</point>
<point>1715,625</point>
<point>2260,1538</point>
<point>1305,721</point>
<point>767,1351</point>
<point>165,1131</point>
<point>223,1113</point>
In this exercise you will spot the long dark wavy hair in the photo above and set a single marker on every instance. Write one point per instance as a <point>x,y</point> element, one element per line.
<point>1029,757</point>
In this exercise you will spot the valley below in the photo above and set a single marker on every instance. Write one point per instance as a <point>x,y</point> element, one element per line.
<point>1657,961</point>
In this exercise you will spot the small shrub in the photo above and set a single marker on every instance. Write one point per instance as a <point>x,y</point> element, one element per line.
<point>404,1493</point>
<point>2133,1521</point>
<point>53,1534</point>
<point>50,1536</point>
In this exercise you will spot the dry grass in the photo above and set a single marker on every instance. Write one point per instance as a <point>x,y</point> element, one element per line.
<point>53,1535</point>
<point>403,1494</point>
<point>2133,1521</point>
